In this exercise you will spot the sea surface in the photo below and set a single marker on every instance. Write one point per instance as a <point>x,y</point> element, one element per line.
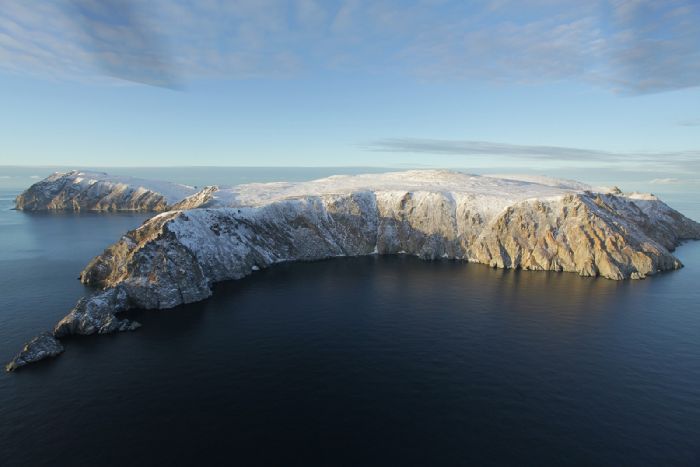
<point>354,361</point>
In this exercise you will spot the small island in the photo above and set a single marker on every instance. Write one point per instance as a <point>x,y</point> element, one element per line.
<point>219,233</point>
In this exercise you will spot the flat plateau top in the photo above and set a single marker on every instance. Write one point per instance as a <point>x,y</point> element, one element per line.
<point>445,181</point>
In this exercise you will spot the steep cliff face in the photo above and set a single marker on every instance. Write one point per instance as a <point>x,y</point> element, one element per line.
<point>176,257</point>
<point>93,191</point>
<point>581,233</point>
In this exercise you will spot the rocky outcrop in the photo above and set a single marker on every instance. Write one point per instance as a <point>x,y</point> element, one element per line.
<point>96,314</point>
<point>94,191</point>
<point>200,199</point>
<point>91,315</point>
<point>176,257</point>
<point>43,346</point>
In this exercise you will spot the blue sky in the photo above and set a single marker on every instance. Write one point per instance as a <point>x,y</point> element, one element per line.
<point>492,83</point>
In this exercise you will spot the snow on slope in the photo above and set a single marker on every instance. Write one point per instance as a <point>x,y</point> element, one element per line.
<point>548,181</point>
<point>172,192</point>
<point>100,191</point>
<point>97,191</point>
<point>490,190</point>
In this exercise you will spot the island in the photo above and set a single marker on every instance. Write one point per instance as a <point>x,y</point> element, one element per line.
<point>226,233</point>
<point>81,190</point>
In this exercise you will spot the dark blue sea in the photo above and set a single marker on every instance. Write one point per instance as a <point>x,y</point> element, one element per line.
<point>354,361</point>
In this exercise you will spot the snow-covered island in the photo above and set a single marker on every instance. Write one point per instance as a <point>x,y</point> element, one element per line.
<point>97,191</point>
<point>219,234</point>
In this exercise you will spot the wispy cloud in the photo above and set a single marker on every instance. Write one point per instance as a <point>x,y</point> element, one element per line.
<point>689,122</point>
<point>116,35</point>
<point>630,46</point>
<point>666,181</point>
<point>466,148</point>
<point>674,181</point>
<point>656,45</point>
<point>483,148</point>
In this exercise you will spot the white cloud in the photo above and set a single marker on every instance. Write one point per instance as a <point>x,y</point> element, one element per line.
<point>666,181</point>
<point>633,46</point>
<point>674,181</point>
<point>673,161</point>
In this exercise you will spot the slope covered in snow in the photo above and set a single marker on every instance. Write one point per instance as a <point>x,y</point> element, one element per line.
<point>97,191</point>
<point>548,181</point>
<point>490,190</point>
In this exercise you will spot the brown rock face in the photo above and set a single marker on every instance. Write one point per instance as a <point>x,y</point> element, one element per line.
<point>581,234</point>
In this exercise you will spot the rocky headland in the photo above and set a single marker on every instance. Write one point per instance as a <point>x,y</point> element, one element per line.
<point>97,191</point>
<point>220,234</point>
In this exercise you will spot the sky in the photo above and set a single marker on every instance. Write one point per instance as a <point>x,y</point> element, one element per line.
<point>538,84</point>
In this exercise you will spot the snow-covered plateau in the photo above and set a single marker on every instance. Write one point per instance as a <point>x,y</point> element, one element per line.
<point>219,234</point>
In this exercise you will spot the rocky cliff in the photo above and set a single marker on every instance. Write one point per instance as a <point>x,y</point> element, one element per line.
<point>95,191</point>
<point>176,257</point>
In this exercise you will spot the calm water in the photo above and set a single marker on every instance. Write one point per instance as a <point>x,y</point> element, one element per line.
<point>366,361</point>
